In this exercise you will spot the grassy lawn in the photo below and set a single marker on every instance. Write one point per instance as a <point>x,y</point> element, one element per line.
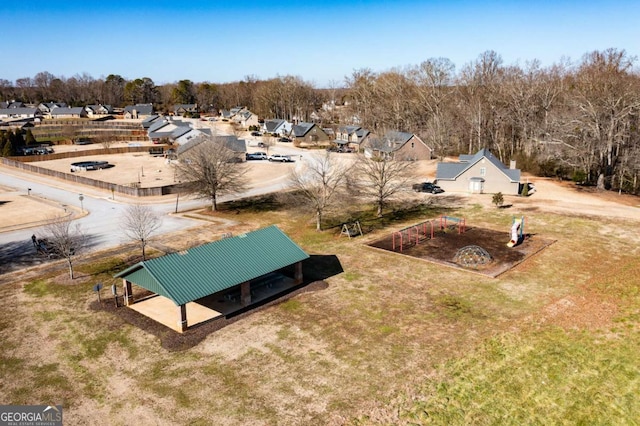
<point>392,340</point>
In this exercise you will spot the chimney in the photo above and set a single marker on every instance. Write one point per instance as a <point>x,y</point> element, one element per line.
<point>512,165</point>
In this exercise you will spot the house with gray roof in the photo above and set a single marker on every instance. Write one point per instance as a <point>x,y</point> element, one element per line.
<point>98,110</point>
<point>138,111</point>
<point>182,109</point>
<point>46,107</point>
<point>353,137</point>
<point>147,122</point>
<point>276,126</point>
<point>17,104</point>
<point>226,276</point>
<point>20,113</point>
<point>169,130</point>
<point>307,134</point>
<point>398,145</point>
<point>232,143</point>
<point>246,119</point>
<point>68,112</point>
<point>479,173</point>
<point>230,114</point>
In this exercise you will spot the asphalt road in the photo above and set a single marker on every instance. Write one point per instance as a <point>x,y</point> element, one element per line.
<point>101,225</point>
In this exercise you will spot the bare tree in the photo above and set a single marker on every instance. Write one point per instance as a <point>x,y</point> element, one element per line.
<point>268,141</point>
<point>382,177</point>
<point>70,132</point>
<point>106,140</point>
<point>64,239</point>
<point>606,98</point>
<point>319,182</point>
<point>139,223</point>
<point>211,169</point>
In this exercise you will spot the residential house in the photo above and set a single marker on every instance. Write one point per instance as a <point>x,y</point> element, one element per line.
<point>479,173</point>
<point>315,117</point>
<point>353,137</point>
<point>138,111</point>
<point>68,112</point>
<point>188,109</point>
<point>276,126</point>
<point>20,113</point>
<point>168,130</point>
<point>98,110</point>
<point>17,104</point>
<point>147,122</point>
<point>400,146</point>
<point>230,114</point>
<point>246,119</point>
<point>184,135</point>
<point>165,129</point>
<point>309,134</point>
<point>232,143</point>
<point>46,107</point>
<point>330,132</point>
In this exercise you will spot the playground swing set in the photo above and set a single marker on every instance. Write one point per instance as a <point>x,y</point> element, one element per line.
<point>412,235</point>
<point>352,229</point>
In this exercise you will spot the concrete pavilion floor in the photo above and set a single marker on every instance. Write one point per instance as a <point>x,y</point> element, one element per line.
<point>164,311</point>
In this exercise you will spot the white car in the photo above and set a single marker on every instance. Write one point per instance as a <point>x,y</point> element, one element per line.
<point>281,158</point>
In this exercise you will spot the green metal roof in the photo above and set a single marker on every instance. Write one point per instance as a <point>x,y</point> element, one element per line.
<point>200,271</point>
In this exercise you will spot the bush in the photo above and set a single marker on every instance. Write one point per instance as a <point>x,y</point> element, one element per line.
<point>525,190</point>
<point>498,199</point>
<point>579,176</point>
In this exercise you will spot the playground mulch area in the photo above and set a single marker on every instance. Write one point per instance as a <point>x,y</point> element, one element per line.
<point>444,246</point>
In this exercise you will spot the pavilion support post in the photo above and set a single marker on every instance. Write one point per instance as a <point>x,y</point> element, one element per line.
<point>182,323</point>
<point>128,294</point>
<point>297,276</point>
<point>245,293</point>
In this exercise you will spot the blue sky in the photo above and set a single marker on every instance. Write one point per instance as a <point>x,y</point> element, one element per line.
<point>322,42</point>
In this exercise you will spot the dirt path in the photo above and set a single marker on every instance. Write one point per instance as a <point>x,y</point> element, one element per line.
<point>567,198</point>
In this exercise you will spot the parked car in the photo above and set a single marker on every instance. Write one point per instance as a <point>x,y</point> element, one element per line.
<point>257,156</point>
<point>283,139</point>
<point>427,187</point>
<point>340,148</point>
<point>281,158</point>
<point>256,134</point>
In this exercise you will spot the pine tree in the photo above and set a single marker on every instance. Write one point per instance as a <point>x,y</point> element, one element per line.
<point>29,139</point>
<point>7,150</point>
<point>3,141</point>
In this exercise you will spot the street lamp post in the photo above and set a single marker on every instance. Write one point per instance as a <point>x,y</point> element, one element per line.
<point>81,198</point>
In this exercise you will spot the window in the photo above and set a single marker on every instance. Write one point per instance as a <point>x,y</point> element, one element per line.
<point>483,171</point>
<point>412,144</point>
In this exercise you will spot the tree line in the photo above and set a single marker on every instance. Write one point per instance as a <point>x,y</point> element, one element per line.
<point>572,120</point>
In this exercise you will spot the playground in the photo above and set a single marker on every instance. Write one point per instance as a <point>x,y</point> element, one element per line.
<point>452,242</point>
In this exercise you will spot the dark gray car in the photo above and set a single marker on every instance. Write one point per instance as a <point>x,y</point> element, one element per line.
<point>427,187</point>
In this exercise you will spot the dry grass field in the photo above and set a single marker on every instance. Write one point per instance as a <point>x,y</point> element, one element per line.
<point>391,340</point>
